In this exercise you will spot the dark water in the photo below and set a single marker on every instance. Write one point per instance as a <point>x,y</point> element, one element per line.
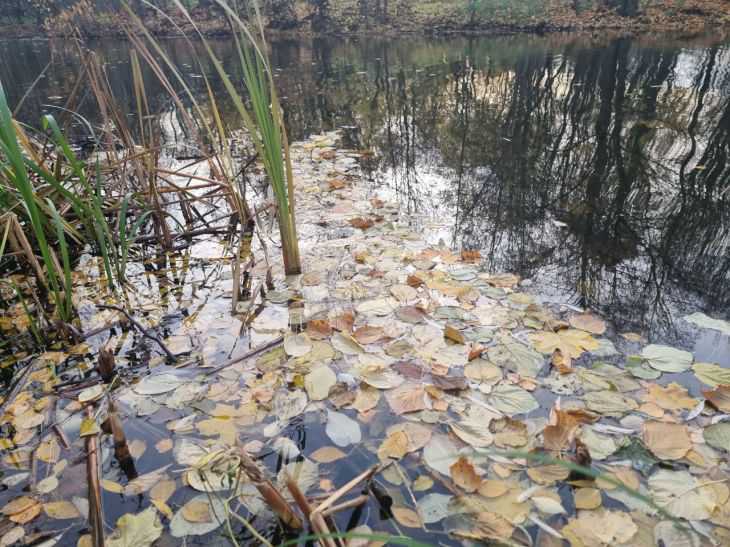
<point>597,168</point>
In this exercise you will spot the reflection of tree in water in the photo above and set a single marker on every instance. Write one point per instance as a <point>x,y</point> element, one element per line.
<point>605,167</point>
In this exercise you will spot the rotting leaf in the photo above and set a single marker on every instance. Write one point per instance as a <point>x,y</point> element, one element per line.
<point>667,441</point>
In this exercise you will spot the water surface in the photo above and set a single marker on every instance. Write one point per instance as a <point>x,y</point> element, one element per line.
<point>597,168</point>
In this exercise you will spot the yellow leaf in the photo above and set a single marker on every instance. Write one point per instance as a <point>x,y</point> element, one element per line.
<point>89,427</point>
<point>111,486</point>
<point>571,342</point>
<point>395,446</point>
<point>163,508</point>
<point>61,510</point>
<point>464,475</point>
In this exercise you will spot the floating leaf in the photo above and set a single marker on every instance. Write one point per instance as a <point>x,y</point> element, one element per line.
<point>91,393</point>
<point>707,322</point>
<point>440,453</point>
<point>407,517</point>
<point>366,399</point>
<point>474,433</point>
<point>587,498</point>
<point>464,475</point>
<point>671,397</point>
<point>712,375</point>
<point>180,527</point>
<point>667,359</point>
<point>197,511</point>
<point>327,454</point>
<point>61,510</point>
<point>319,382</point>
<point>163,445</point>
<point>571,342</point>
<point>513,355</point>
<point>718,435</point>
<point>667,441</point>
<point>395,446</point>
<point>406,398</point>
<point>158,384</point>
<point>89,427</point>
<point>163,490</point>
<point>18,505</point>
<point>297,345</point>
<point>547,505</point>
<point>588,322</point>
<point>47,485</point>
<point>343,430</point>
<point>512,400</point>
<point>434,507</point>
<point>609,403</point>
<point>599,528</point>
<point>682,495</point>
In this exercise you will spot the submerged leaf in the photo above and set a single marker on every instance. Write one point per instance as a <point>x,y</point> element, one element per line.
<point>140,530</point>
<point>343,430</point>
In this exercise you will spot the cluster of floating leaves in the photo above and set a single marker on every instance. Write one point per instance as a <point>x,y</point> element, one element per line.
<point>409,355</point>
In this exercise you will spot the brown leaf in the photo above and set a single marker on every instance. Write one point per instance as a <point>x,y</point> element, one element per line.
<point>362,223</point>
<point>366,398</point>
<point>319,329</point>
<point>27,514</point>
<point>336,184</point>
<point>470,256</point>
<point>719,397</point>
<point>407,517</point>
<point>453,334</point>
<point>450,383</point>
<point>562,362</point>
<point>560,435</point>
<point>409,369</point>
<point>368,335</point>
<point>377,203</point>
<point>414,281</point>
<point>406,398</point>
<point>395,446</point>
<point>344,321</point>
<point>464,475</point>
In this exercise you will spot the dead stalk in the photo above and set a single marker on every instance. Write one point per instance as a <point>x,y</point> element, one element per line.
<point>96,514</point>
<point>272,496</point>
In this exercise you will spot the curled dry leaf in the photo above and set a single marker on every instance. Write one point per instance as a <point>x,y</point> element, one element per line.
<point>560,435</point>
<point>719,397</point>
<point>464,475</point>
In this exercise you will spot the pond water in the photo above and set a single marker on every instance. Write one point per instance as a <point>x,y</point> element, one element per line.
<point>597,168</point>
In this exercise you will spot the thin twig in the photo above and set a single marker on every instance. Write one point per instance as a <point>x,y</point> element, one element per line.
<point>272,343</point>
<point>349,504</point>
<point>96,514</point>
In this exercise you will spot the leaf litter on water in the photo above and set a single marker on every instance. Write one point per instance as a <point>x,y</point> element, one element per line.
<point>420,357</point>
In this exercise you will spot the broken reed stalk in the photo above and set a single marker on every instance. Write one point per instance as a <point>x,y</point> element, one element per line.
<point>276,501</point>
<point>319,526</point>
<point>349,504</point>
<point>96,513</point>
